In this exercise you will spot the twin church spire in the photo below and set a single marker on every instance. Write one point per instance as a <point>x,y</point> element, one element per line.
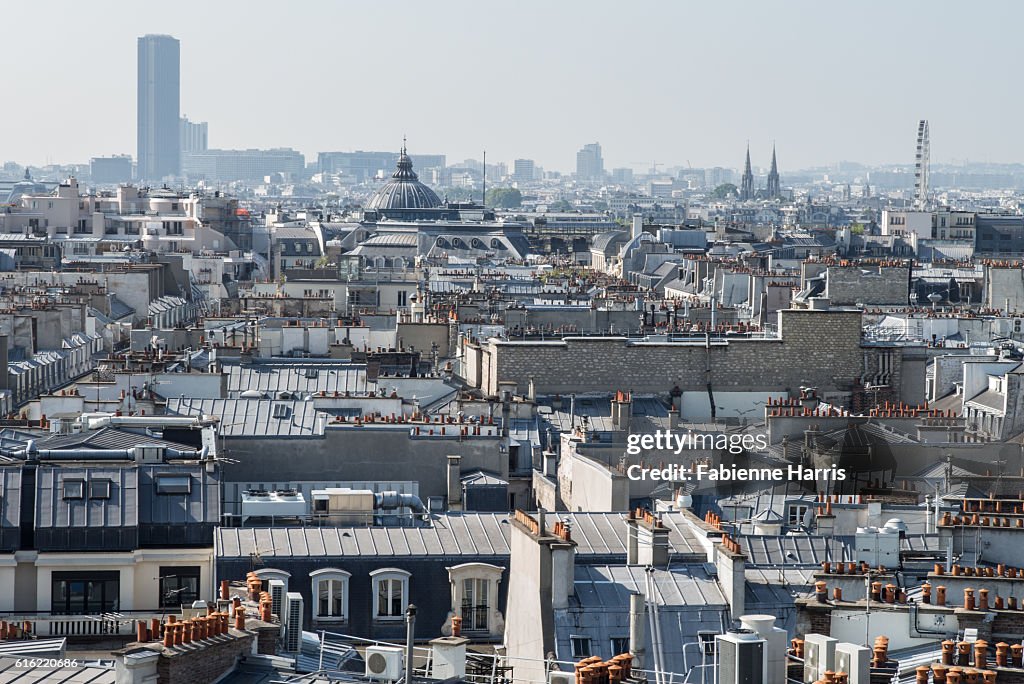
<point>774,188</point>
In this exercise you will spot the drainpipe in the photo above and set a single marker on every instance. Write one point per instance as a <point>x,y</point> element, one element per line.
<point>410,630</point>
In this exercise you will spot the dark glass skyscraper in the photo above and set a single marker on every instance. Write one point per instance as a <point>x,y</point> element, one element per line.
<point>159,95</point>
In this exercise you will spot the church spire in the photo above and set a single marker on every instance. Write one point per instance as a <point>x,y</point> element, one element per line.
<point>747,183</point>
<point>774,187</point>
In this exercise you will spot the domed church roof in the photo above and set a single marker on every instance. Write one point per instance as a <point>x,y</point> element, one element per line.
<point>404,190</point>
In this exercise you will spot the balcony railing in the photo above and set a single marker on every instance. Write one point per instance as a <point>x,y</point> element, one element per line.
<point>474,618</point>
<point>47,624</point>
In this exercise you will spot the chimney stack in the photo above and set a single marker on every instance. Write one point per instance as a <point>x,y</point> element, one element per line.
<point>731,565</point>
<point>622,410</point>
<point>563,568</point>
<point>651,539</point>
<point>632,540</point>
<point>637,647</point>
<point>454,483</point>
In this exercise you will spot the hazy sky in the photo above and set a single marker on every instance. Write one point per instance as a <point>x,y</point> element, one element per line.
<point>671,81</point>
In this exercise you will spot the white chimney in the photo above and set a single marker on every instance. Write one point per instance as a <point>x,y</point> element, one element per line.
<point>638,226</point>
<point>777,640</point>
<point>449,657</point>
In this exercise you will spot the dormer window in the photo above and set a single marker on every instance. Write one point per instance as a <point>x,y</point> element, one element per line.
<point>74,489</point>
<point>330,594</point>
<point>99,489</point>
<point>173,484</point>
<point>390,593</point>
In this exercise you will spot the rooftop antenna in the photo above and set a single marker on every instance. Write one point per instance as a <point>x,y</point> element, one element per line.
<point>483,199</point>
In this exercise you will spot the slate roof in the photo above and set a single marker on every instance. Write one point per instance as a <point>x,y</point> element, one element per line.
<point>271,379</point>
<point>252,417</point>
<point>452,534</point>
<point>106,438</point>
<point>689,600</point>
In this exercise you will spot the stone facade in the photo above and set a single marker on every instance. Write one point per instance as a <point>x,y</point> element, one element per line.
<point>815,348</point>
<point>868,284</point>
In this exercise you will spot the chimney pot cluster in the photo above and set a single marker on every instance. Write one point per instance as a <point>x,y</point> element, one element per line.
<point>10,630</point>
<point>593,670</point>
<point>528,521</point>
<point>712,519</point>
<point>847,568</point>
<point>957,661</point>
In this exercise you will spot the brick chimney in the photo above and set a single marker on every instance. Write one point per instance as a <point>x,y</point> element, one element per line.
<point>201,649</point>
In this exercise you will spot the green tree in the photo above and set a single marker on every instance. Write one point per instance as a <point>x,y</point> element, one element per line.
<point>725,190</point>
<point>600,205</point>
<point>504,198</point>
<point>560,205</point>
<point>457,194</point>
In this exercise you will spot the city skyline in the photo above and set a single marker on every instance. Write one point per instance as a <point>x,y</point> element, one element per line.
<point>861,105</point>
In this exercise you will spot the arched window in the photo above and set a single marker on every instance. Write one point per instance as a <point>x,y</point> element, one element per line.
<point>267,574</point>
<point>330,594</point>
<point>474,589</point>
<point>390,593</point>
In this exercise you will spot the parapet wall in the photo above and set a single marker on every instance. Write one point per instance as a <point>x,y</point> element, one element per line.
<point>815,348</point>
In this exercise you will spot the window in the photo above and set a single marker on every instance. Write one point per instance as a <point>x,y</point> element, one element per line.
<point>402,298</point>
<point>74,489</point>
<point>475,604</point>
<point>173,484</point>
<point>796,514</point>
<point>330,593</point>
<point>178,585</point>
<point>99,489</point>
<point>620,645</point>
<point>580,646</point>
<point>84,593</point>
<point>390,593</point>
<point>475,596</point>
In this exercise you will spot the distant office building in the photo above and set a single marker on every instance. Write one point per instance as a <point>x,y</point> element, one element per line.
<point>589,163</point>
<point>716,176</point>
<point>159,128</point>
<point>365,165</point>
<point>232,165</point>
<point>110,170</point>
<point>622,176</point>
<point>193,135</point>
<point>999,235</point>
<point>524,170</point>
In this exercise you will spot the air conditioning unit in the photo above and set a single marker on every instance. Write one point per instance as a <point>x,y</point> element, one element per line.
<point>855,661</point>
<point>559,677</point>
<point>384,662</point>
<point>293,622</point>
<point>819,656</point>
<point>277,593</point>
<point>741,657</point>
